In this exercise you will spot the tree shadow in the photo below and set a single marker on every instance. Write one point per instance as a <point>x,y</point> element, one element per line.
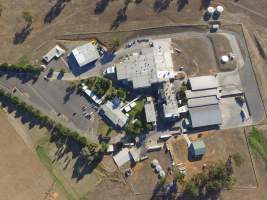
<point>55,11</point>
<point>121,17</point>
<point>204,4</point>
<point>160,5</point>
<point>24,117</point>
<point>82,167</point>
<point>24,77</point>
<point>101,6</point>
<point>69,92</point>
<point>181,4</point>
<point>21,36</point>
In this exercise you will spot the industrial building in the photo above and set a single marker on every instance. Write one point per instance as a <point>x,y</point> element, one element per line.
<point>147,66</point>
<point>170,106</point>
<point>85,54</point>
<point>202,101</point>
<point>203,83</point>
<point>150,111</point>
<point>114,114</point>
<point>197,149</point>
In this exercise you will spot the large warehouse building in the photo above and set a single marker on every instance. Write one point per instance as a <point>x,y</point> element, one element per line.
<point>147,66</point>
<point>202,101</point>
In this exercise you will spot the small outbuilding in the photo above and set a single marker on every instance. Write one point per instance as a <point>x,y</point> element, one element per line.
<point>197,149</point>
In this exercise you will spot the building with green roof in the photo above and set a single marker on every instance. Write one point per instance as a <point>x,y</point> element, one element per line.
<point>197,149</point>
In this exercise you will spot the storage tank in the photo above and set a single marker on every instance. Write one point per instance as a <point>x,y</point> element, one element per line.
<point>219,9</point>
<point>154,163</point>
<point>210,10</point>
<point>158,168</point>
<point>224,59</point>
<point>162,174</point>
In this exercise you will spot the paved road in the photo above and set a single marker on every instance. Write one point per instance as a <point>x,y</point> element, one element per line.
<point>52,98</point>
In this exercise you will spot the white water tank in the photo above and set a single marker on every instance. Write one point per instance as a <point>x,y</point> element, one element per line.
<point>210,10</point>
<point>158,168</point>
<point>162,174</point>
<point>219,9</point>
<point>154,163</point>
<point>225,59</point>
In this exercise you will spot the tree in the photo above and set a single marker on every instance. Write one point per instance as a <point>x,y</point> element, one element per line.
<point>27,17</point>
<point>51,71</point>
<point>191,190</point>
<point>178,176</point>
<point>238,159</point>
<point>1,9</point>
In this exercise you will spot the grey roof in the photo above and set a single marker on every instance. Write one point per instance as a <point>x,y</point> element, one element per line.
<point>116,116</point>
<point>170,108</point>
<point>138,68</point>
<point>85,54</point>
<point>203,82</point>
<point>199,147</point>
<point>122,157</point>
<point>135,154</point>
<point>202,101</point>
<point>57,51</point>
<point>150,112</point>
<point>205,116</point>
<point>201,93</point>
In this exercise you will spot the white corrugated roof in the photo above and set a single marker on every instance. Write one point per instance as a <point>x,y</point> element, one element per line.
<point>122,157</point>
<point>203,82</point>
<point>57,52</point>
<point>85,54</point>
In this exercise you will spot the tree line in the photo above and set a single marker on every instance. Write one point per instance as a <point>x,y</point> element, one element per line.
<point>57,128</point>
<point>18,68</point>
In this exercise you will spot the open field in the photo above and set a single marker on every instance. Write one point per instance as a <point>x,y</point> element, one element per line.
<point>22,174</point>
<point>219,146</point>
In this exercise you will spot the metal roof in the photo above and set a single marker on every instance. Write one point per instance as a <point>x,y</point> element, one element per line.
<point>199,147</point>
<point>203,82</point>
<point>85,54</point>
<point>170,108</point>
<point>139,68</point>
<point>122,157</point>
<point>201,93</point>
<point>205,116</point>
<point>150,112</point>
<point>148,65</point>
<point>202,101</point>
<point>57,51</point>
<point>116,116</point>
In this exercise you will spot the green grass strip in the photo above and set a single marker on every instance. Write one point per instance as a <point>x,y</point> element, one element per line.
<point>42,155</point>
<point>258,144</point>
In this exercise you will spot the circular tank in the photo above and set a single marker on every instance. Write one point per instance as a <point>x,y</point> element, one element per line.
<point>210,10</point>
<point>224,59</point>
<point>154,162</point>
<point>219,9</point>
<point>158,168</point>
<point>162,174</point>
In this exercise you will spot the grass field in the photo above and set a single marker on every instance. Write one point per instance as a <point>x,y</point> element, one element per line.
<point>258,144</point>
<point>43,157</point>
<point>22,175</point>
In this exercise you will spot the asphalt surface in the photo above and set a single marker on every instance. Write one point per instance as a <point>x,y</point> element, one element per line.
<point>52,98</point>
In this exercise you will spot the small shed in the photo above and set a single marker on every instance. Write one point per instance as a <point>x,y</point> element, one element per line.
<point>197,149</point>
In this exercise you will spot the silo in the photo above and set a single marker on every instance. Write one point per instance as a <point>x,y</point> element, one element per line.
<point>162,174</point>
<point>224,59</point>
<point>210,10</point>
<point>158,168</point>
<point>154,163</point>
<point>219,9</point>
